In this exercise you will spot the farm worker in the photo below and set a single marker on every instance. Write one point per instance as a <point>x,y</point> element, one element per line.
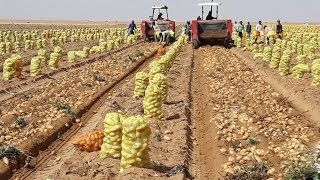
<point>132,27</point>
<point>269,32</point>
<point>209,16</point>
<point>157,31</point>
<point>160,17</point>
<point>240,30</point>
<point>187,29</point>
<point>279,29</point>
<point>199,18</point>
<point>235,26</point>
<point>248,29</point>
<point>259,31</point>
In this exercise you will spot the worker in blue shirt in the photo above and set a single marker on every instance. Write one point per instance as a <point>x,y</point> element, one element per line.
<point>132,27</point>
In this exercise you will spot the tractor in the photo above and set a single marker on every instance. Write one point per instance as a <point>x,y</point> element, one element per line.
<point>163,23</point>
<point>211,31</point>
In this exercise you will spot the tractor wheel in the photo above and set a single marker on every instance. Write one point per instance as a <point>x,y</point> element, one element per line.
<point>195,44</point>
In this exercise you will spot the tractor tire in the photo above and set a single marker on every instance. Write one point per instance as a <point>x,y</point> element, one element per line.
<point>195,44</point>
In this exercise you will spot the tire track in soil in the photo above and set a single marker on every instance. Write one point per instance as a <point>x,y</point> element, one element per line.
<point>206,161</point>
<point>121,100</point>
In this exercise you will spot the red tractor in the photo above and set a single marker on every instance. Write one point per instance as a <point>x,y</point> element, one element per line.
<point>211,30</point>
<point>163,23</point>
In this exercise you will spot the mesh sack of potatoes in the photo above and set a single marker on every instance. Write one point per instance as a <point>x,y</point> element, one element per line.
<point>157,67</point>
<point>141,84</point>
<point>284,65</point>
<point>12,67</point>
<point>17,46</point>
<point>72,56</point>
<point>152,102</point>
<point>42,55</point>
<point>160,80</point>
<point>95,49</point>
<point>103,46</point>
<point>301,59</point>
<point>258,55</point>
<point>267,54</point>
<point>299,70</point>
<point>54,60</point>
<point>276,56</point>
<point>39,44</point>
<point>58,50</point>
<point>315,71</point>
<point>35,66</point>
<point>136,133</point>
<point>110,44</point>
<point>2,48</point>
<point>8,47</point>
<point>54,41</point>
<point>111,146</point>
<point>300,49</point>
<point>44,42</point>
<point>89,142</point>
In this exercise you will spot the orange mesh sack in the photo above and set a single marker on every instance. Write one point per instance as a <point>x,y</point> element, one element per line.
<point>89,142</point>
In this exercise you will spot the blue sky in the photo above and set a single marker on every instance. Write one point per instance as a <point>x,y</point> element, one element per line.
<point>180,10</point>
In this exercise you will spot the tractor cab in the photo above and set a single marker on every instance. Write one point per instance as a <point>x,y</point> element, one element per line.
<point>210,29</point>
<point>161,17</point>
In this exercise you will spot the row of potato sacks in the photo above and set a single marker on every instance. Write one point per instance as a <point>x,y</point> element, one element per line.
<point>128,138</point>
<point>125,138</point>
<point>153,86</point>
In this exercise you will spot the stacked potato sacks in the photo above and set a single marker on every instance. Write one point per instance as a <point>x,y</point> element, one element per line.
<point>141,84</point>
<point>89,142</point>
<point>267,54</point>
<point>12,67</point>
<point>2,48</point>
<point>136,133</point>
<point>275,59</point>
<point>152,102</point>
<point>35,66</point>
<point>284,65</point>
<point>160,80</point>
<point>315,71</point>
<point>111,146</point>
<point>72,56</point>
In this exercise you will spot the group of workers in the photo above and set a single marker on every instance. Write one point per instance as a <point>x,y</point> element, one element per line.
<point>260,30</point>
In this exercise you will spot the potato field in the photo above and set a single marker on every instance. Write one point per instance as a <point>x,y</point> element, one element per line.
<point>92,102</point>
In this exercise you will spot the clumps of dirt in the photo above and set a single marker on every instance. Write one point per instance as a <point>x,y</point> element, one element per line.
<point>254,172</point>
